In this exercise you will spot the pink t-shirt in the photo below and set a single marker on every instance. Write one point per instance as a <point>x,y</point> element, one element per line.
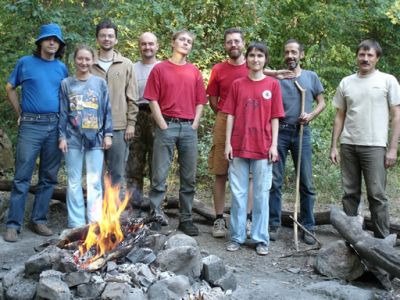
<point>178,89</point>
<point>253,104</point>
<point>222,76</point>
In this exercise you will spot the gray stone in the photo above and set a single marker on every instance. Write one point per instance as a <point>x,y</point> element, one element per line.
<point>171,288</point>
<point>184,260</point>
<point>1,291</point>
<point>51,274</point>
<point>121,277</point>
<point>14,275</point>
<point>142,275</point>
<point>141,255</point>
<point>111,266</point>
<point>91,290</point>
<point>67,264</point>
<point>47,259</point>
<point>227,282</point>
<point>155,242</point>
<point>77,278</point>
<point>337,260</point>
<point>53,288</point>
<point>118,291</point>
<point>213,268</point>
<point>335,290</point>
<point>24,289</point>
<point>180,239</point>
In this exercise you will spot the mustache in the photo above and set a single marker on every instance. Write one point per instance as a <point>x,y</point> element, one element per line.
<point>365,63</point>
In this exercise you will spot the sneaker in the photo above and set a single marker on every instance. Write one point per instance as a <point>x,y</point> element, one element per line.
<point>262,249</point>
<point>308,239</point>
<point>41,229</point>
<point>273,233</point>
<point>248,228</point>
<point>188,228</point>
<point>219,229</point>
<point>232,247</point>
<point>10,235</point>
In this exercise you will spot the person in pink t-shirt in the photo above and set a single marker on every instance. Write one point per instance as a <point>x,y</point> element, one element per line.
<point>254,106</point>
<point>176,92</point>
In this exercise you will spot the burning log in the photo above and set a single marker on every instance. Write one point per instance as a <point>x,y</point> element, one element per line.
<point>376,252</point>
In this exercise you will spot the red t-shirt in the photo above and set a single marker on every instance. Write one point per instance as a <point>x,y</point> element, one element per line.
<point>253,104</point>
<point>222,76</point>
<point>178,89</point>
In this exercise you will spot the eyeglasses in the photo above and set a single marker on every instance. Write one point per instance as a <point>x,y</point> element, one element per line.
<point>108,36</point>
<point>231,42</point>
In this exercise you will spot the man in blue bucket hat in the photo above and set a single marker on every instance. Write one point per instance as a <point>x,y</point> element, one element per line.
<point>40,76</point>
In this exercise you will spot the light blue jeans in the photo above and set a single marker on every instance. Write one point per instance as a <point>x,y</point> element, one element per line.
<point>239,169</point>
<point>75,201</point>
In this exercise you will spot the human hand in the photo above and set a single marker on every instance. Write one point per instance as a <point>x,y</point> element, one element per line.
<point>129,132</point>
<point>107,142</point>
<point>62,145</point>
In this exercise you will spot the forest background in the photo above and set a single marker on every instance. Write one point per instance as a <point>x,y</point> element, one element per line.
<point>330,31</point>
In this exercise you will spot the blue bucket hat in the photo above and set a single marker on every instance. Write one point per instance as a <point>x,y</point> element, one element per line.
<point>50,30</point>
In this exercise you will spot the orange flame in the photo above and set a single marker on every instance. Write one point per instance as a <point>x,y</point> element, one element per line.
<point>106,234</point>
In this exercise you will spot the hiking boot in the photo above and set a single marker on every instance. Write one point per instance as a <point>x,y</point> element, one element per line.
<point>308,239</point>
<point>11,235</point>
<point>161,218</point>
<point>232,246</point>
<point>273,233</point>
<point>188,228</point>
<point>248,228</point>
<point>219,229</point>
<point>41,229</point>
<point>262,249</point>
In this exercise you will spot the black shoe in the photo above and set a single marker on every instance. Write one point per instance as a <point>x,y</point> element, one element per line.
<point>308,239</point>
<point>188,228</point>
<point>273,233</point>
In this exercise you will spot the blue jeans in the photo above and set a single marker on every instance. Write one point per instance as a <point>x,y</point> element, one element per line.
<point>116,158</point>
<point>239,170</point>
<point>184,137</point>
<point>37,136</point>
<point>75,202</point>
<point>288,140</point>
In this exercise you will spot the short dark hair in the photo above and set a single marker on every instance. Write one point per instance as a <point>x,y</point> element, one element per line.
<point>106,24</point>
<point>176,34</point>
<point>83,47</point>
<point>370,44</point>
<point>290,41</point>
<point>38,51</point>
<point>233,30</point>
<point>260,47</point>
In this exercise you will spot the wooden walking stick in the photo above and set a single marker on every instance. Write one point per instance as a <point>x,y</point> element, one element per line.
<point>297,199</point>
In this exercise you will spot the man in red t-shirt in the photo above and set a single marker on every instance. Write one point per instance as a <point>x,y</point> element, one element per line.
<point>175,89</point>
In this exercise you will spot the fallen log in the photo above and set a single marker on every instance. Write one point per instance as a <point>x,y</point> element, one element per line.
<point>376,252</point>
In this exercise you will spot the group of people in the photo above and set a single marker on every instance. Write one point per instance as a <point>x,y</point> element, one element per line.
<point>133,116</point>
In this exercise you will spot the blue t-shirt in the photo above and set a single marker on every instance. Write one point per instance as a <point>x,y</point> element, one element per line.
<point>291,96</point>
<point>40,81</point>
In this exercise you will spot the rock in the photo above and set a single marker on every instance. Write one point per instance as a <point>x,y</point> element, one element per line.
<point>76,278</point>
<point>93,289</point>
<point>119,277</point>
<point>67,264</point>
<point>184,260</point>
<point>142,275</point>
<point>111,266</point>
<point>47,259</point>
<point>24,289</point>
<point>14,275</point>
<point>141,255</point>
<point>213,268</point>
<point>53,288</point>
<point>155,242</point>
<point>171,288</point>
<point>335,290</point>
<point>180,239</point>
<point>118,291</point>
<point>227,282</point>
<point>337,260</point>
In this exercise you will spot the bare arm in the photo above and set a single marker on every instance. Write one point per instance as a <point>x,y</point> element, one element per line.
<point>273,150</point>
<point>306,118</point>
<point>213,102</point>
<point>13,98</point>
<point>280,74</point>
<point>199,112</point>
<point>337,130</point>
<point>157,115</point>
<point>228,147</point>
<point>391,154</point>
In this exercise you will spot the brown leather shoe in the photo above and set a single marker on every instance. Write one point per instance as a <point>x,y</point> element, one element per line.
<point>10,235</point>
<point>41,229</point>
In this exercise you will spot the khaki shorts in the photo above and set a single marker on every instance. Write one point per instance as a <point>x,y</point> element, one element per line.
<point>217,164</point>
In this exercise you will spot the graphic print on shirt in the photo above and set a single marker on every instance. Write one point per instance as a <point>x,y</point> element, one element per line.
<point>86,107</point>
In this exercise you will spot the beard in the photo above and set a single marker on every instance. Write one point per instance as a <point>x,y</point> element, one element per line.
<point>234,54</point>
<point>292,63</point>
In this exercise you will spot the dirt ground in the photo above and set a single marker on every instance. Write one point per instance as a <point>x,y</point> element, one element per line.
<point>269,277</point>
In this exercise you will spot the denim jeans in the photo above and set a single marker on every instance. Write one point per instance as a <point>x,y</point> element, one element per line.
<point>288,140</point>
<point>37,136</point>
<point>75,201</point>
<point>184,137</point>
<point>369,162</point>
<point>116,158</point>
<point>239,170</point>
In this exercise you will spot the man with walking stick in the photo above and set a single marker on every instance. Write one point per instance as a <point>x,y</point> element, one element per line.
<point>290,139</point>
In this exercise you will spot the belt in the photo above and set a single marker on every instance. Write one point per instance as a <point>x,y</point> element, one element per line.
<point>176,120</point>
<point>33,116</point>
<point>144,107</point>
<point>290,126</point>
